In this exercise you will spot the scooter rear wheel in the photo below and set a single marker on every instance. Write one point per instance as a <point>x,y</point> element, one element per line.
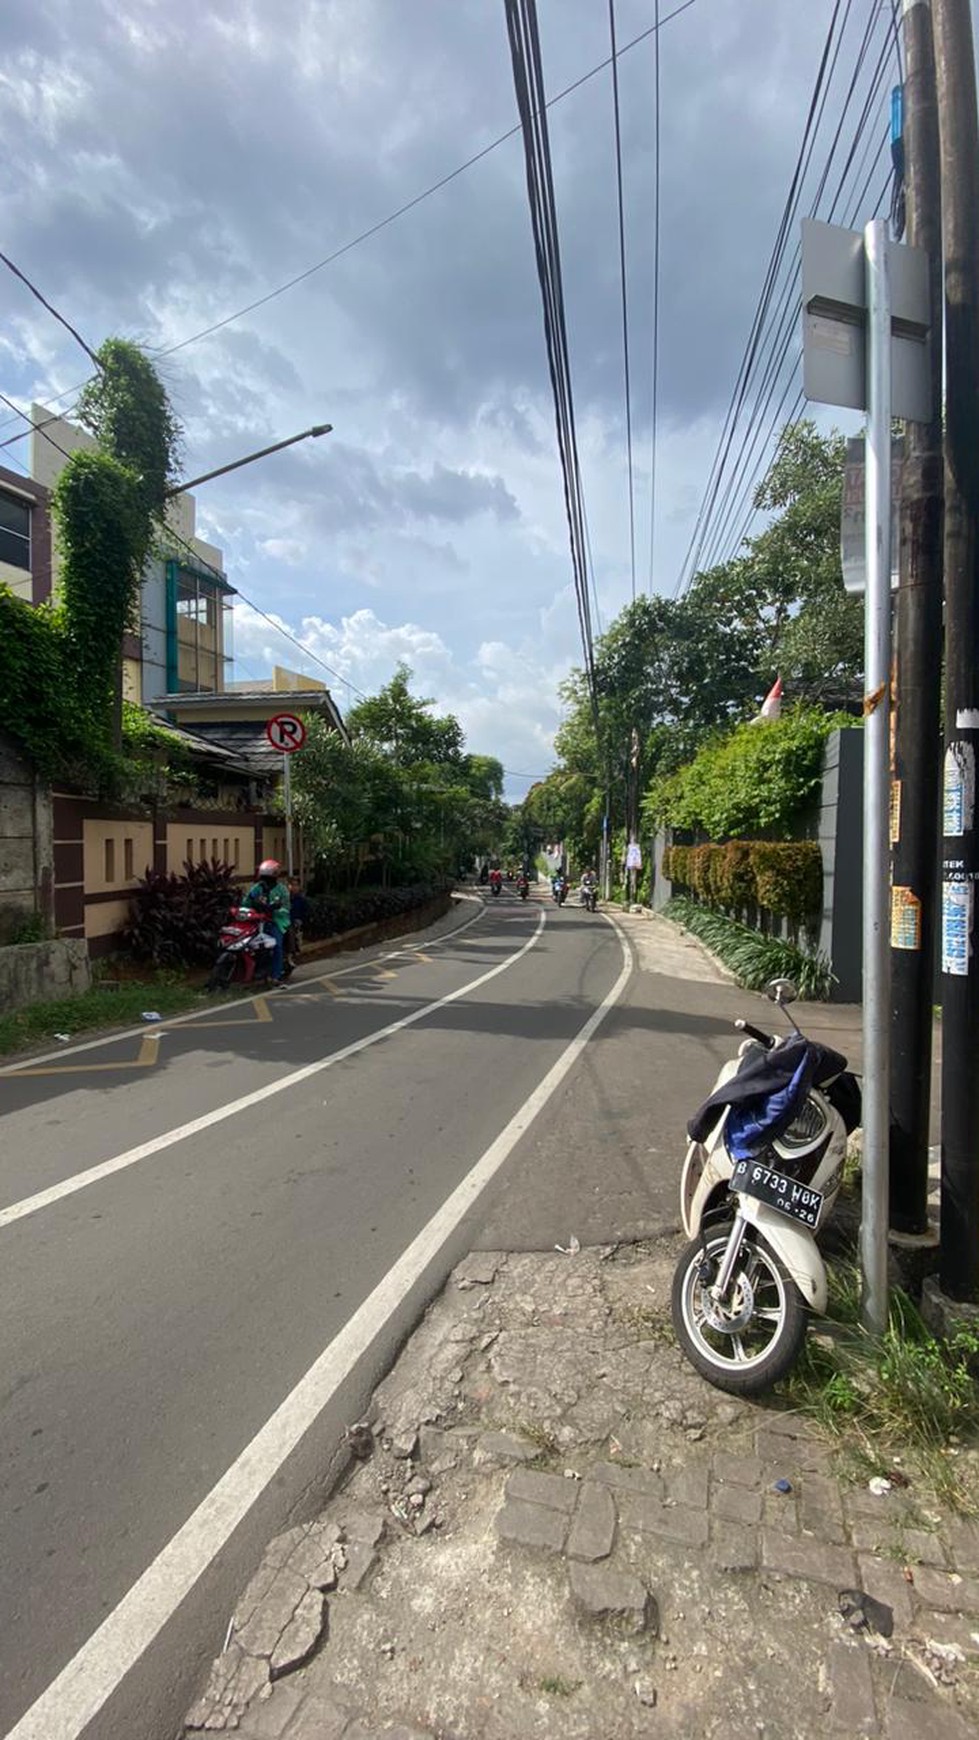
<point>746,1343</point>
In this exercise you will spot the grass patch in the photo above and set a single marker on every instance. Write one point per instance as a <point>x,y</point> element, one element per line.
<point>556,1686</point>
<point>547,1444</point>
<point>903,1396</point>
<point>754,959</point>
<point>103,1006</point>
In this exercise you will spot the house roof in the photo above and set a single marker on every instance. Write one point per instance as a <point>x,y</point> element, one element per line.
<point>233,724</point>
<point>254,705</point>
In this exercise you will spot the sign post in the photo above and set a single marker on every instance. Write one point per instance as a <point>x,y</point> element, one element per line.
<point>286,733</point>
<point>866,321</point>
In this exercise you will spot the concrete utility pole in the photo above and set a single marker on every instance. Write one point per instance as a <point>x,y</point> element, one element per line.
<point>959,132</point>
<point>918,663</point>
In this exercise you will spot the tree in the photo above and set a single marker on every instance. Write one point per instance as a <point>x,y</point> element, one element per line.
<point>402,784</point>
<point>60,679</point>
<point>672,673</point>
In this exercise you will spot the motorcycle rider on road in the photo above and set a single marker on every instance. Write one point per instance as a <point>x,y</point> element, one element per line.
<point>269,894</point>
<point>589,888</point>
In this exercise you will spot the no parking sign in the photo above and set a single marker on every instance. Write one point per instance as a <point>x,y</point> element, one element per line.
<point>286,733</point>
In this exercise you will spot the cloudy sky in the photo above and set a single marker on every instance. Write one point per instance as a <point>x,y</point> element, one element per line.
<point>169,161</point>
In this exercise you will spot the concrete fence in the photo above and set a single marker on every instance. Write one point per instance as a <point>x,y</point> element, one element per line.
<point>43,972</point>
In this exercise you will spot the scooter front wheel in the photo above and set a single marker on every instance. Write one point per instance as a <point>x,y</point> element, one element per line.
<point>223,971</point>
<point>747,1341</point>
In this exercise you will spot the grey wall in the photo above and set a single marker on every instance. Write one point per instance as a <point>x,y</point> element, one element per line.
<point>26,841</point>
<point>841,843</point>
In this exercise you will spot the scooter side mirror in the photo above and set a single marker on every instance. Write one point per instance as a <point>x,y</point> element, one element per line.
<point>782,991</point>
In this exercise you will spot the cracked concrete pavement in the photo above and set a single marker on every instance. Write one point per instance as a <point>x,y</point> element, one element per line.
<point>550,1526</point>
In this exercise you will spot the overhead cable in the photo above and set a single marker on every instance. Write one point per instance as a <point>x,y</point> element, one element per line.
<point>625,296</point>
<point>76,335</point>
<point>522,29</point>
<point>743,445</point>
<point>654,407</point>
<point>402,210</point>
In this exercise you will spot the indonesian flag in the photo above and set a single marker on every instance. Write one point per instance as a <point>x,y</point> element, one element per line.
<point>771,706</point>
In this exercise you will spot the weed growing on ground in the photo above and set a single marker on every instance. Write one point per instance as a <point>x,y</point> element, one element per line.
<point>904,1394</point>
<point>103,1006</point>
<point>555,1686</point>
<point>545,1441</point>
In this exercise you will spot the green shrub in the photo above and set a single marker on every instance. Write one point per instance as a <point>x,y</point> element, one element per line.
<point>788,878</point>
<point>757,780</point>
<point>783,876</point>
<point>174,921</point>
<point>752,958</point>
<point>736,876</point>
<point>333,913</point>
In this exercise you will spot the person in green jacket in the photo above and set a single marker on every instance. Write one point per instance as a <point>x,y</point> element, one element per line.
<point>270,895</point>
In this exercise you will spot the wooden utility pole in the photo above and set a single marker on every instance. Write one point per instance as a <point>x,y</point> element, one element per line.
<point>918,663</point>
<point>959,133</point>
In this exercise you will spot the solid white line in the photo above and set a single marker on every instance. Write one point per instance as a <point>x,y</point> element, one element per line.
<point>64,1710</point>
<point>30,1061</point>
<point>132,1156</point>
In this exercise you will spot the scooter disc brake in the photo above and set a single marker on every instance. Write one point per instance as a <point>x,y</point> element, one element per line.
<point>732,1314</point>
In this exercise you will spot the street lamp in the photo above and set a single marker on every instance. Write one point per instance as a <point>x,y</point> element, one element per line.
<point>315,432</point>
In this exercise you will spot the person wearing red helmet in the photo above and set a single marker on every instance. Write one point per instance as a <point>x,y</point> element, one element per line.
<point>270,895</point>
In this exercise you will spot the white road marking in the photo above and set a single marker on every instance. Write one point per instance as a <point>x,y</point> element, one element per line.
<point>70,1703</point>
<point>32,1062</point>
<point>156,1144</point>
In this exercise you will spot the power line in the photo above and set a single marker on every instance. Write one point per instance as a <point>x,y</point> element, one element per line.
<point>39,428</point>
<point>691,560</point>
<point>528,79</point>
<point>765,356</point>
<point>402,210</point>
<point>655,380</point>
<point>625,296</point>
<point>76,335</point>
<point>419,198</point>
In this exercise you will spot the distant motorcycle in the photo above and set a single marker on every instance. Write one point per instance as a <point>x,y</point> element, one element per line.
<point>523,887</point>
<point>588,895</point>
<point>559,889</point>
<point>496,881</point>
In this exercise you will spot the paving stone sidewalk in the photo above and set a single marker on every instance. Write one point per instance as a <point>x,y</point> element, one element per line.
<point>552,1527</point>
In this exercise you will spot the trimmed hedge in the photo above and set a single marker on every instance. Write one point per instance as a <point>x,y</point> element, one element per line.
<point>784,877</point>
<point>331,914</point>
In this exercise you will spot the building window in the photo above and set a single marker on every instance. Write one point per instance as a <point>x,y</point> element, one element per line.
<point>15,531</point>
<point>195,635</point>
<point>110,860</point>
<point>129,873</point>
<point>190,851</point>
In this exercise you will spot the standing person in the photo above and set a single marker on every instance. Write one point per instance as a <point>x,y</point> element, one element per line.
<point>298,916</point>
<point>269,894</point>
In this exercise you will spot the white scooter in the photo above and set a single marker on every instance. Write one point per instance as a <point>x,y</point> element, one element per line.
<point>742,1287</point>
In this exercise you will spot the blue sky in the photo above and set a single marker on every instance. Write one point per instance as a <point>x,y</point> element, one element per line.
<point>169,162</point>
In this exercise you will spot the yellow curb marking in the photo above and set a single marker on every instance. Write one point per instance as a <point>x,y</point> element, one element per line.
<point>145,1059</point>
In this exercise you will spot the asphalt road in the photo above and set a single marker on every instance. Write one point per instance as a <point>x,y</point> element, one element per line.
<point>172,1269</point>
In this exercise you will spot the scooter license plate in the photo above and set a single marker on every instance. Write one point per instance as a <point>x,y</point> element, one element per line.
<point>796,1201</point>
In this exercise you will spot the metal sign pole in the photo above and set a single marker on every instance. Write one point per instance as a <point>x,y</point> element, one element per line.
<point>876,788</point>
<point>287,796</point>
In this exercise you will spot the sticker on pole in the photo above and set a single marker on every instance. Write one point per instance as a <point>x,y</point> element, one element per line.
<point>956,928</point>
<point>286,733</point>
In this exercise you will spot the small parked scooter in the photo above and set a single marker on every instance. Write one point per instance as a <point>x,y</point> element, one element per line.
<point>761,1176</point>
